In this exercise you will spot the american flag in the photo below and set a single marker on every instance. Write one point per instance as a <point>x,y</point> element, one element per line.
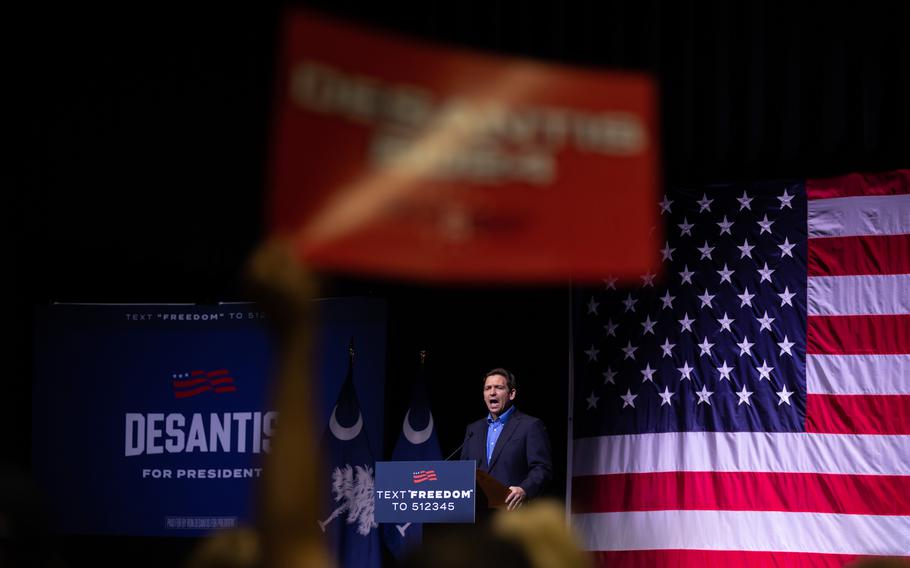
<point>751,404</point>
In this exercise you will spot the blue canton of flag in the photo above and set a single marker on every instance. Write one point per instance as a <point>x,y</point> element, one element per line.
<point>352,533</point>
<point>715,343</point>
<point>417,442</point>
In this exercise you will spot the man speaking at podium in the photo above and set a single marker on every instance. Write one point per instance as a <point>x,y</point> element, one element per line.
<point>508,444</point>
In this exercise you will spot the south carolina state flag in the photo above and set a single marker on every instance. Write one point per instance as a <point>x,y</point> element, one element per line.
<point>417,442</point>
<point>353,535</point>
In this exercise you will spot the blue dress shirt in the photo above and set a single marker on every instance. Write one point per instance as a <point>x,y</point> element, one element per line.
<point>494,429</point>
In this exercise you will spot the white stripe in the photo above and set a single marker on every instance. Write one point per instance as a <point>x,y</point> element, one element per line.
<point>854,295</point>
<point>858,374</point>
<point>863,215</point>
<point>743,451</point>
<point>745,530</point>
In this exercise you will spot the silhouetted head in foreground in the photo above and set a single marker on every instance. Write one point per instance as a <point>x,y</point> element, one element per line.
<point>467,546</point>
<point>536,536</point>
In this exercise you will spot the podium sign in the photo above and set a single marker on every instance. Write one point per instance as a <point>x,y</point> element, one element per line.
<point>425,492</point>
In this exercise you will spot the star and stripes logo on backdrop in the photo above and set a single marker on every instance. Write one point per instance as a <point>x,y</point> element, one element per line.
<point>194,383</point>
<point>750,404</point>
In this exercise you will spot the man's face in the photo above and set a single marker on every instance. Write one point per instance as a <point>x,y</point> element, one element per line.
<point>496,395</point>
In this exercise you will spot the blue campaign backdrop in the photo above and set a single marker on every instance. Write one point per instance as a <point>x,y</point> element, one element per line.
<point>152,419</point>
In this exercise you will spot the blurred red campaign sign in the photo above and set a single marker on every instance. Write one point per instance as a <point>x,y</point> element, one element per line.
<point>399,158</point>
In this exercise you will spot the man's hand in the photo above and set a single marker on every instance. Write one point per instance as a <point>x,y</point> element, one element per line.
<point>515,498</point>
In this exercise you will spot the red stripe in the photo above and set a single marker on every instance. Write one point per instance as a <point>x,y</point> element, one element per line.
<point>197,373</point>
<point>217,373</point>
<point>858,414</point>
<point>885,183</point>
<point>742,491</point>
<point>871,254</point>
<point>226,389</point>
<point>857,335</point>
<point>221,381</point>
<point>193,392</point>
<point>188,383</point>
<point>703,558</point>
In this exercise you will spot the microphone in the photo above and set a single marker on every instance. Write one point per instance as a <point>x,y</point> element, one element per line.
<point>458,449</point>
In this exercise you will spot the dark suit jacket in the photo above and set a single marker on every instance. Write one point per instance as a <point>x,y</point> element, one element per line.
<point>521,456</point>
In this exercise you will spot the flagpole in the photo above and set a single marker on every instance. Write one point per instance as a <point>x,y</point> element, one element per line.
<point>289,497</point>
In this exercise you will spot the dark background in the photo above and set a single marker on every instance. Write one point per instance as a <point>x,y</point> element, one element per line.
<point>137,148</point>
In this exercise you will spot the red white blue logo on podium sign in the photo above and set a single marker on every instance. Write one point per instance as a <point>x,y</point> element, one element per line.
<point>424,475</point>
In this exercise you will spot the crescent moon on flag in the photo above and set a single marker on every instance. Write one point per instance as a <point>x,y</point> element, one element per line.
<point>342,433</point>
<point>415,436</point>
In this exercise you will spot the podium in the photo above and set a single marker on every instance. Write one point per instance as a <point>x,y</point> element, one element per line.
<point>494,491</point>
<point>434,492</point>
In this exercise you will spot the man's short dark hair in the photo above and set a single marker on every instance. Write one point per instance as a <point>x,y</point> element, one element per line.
<point>510,378</point>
